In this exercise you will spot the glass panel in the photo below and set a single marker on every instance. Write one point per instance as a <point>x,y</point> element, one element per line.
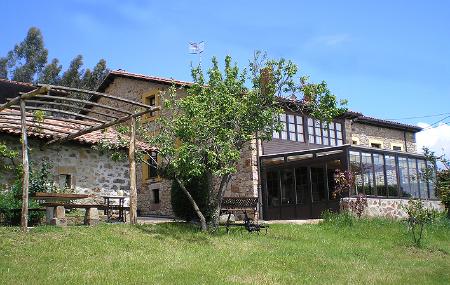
<point>391,174</point>
<point>287,187</point>
<point>355,168</point>
<point>325,136</point>
<point>276,135</point>
<point>422,181</point>
<point>413,177</point>
<point>378,163</point>
<point>340,142</point>
<point>301,177</point>
<point>368,182</point>
<point>152,165</point>
<point>332,141</point>
<point>338,126</point>
<point>332,166</point>
<point>403,174</point>
<point>283,117</point>
<point>318,184</point>
<point>431,184</point>
<point>339,135</point>
<point>291,119</point>
<point>273,188</point>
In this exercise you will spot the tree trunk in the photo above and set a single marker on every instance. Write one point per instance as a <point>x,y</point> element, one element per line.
<point>194,205</point>
<point>132,160</point>
<point>222,188</point>
<point>26,169</point>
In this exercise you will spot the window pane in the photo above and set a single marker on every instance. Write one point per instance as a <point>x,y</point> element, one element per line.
<point>403,174</point>
<point>379,174</point>
<point>340,142</point>
<point>301,177</point>
<point>355,168</point>
<point>287,187</point>
<point>273,188</point>
<point>152,167</point>
<point>339,135</point>
<point>333,142</point>
<point>291,119</point>
<point>283,117</point>
<point>413,177</point>
<point>338,126</point>
<point>431,185</point>
<point>284,135</point>
<point>391,174</point>
<point>310,122</point>
<point>422,181</point>
<point>318,184</point>
<point>276,135</point>
<point>368,182</point>
<point>299,120</point>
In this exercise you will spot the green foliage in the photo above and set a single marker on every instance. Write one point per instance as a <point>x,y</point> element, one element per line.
<point>27,62</point>
<point>343,219</point>
<point>418,217</point>
<point>440,178</point>
<point>443,186</point>
<point>7,159</point>
<point>199,188</point>
<point>41,180</point>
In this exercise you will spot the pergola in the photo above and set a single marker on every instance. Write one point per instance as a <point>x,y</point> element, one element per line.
<point>80,116</point>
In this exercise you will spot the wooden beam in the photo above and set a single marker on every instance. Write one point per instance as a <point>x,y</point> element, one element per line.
<point>26,169</point>
<point>78,122</point>
<point>61,112</point>
<point>17,125</point>
<point>102,126</point>
<point>97,94</point>
<point>71,106</point>
<point>41,90</point>
<point>132,160</point>
<point>84,102</point>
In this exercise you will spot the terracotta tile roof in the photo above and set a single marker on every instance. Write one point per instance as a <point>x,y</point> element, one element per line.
<point>122,73</point>
<point>11,125</point>
<point>391,124</point>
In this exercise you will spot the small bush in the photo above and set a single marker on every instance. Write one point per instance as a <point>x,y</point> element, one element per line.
<point>418,217</point>
<point>199,188</point>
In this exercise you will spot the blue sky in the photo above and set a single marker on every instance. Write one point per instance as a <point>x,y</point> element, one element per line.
<point>390,60</point>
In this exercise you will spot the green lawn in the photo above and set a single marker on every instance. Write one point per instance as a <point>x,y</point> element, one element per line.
<point>369,252</point>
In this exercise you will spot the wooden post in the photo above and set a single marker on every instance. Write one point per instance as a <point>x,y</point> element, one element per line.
<point>132,160</point>
<point>26,169</point>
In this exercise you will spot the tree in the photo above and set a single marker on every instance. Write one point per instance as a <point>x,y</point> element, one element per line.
<point>206,131</point>
<point>28,57</point>
<point>27,62</point>
<point>50,73</point>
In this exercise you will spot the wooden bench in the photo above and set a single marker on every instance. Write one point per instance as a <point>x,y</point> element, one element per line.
<point>56,212</point>
<point>234,205</point>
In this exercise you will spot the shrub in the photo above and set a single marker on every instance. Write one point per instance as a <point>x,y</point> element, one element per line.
<point>418,217</point>
<point>199,188</point>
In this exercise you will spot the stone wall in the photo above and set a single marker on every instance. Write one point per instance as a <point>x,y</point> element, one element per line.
<point>365,134</point>
<point>391,208</point>
<point>90,171</point>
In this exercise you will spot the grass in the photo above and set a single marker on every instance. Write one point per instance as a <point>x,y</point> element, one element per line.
<point>369,252</point>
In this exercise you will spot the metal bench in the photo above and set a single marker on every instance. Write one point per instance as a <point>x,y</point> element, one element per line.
<point>233,205</point>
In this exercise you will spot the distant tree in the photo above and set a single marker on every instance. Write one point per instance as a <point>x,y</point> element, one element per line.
<point>50,73</point>
<point>27,58</point>
<point>27,62</point>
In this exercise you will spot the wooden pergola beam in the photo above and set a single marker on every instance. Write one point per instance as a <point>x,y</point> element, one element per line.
<point>40,90</point>
<point>96,93</point>
<point>70,106</point>
<point>85,123</point>
<point>25,167</point>
<point>83,102</point>
<point>102,126</point>
<point>60,112</point>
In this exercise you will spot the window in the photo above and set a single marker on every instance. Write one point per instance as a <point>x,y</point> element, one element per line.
<point>375,145</point>
<point>378,163</point>
<point>291,127</point>
<point>413,177</point>
<point>300,132</point>
<point>340,140</point>
<point>422,180</point>
<point>354,142</point>
<point>396,147</point>
<point>156,196</point>
<point>310,130</point>
<point>284,130</point>
<point>65,181</point>
<point>403,175</point>
<point>325,133</point>
<point>318,184</point>
<point>151,99</point>
<point>317,132</point>
<point>152,165</point>
<point>391,175</point>
<point>355,168</point>
<point>273,188</point>
<point>367,167</point>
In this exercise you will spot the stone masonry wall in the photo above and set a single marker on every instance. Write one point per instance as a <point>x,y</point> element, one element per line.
<point>91,172</point>
<point>391,208</point>
<point>367,133</point>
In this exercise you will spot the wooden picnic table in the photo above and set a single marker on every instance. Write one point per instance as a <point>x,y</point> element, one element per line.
<point>109,206</point>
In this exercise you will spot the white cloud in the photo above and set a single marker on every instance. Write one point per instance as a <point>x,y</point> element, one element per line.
<point>435,138</point>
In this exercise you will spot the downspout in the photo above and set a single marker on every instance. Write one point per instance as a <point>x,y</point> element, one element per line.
<point>404,137</point>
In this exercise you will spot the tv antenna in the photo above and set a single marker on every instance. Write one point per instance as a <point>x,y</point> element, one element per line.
<point>197,48</point>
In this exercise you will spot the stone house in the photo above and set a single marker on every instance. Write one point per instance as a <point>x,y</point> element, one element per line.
<point>293,174</point>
